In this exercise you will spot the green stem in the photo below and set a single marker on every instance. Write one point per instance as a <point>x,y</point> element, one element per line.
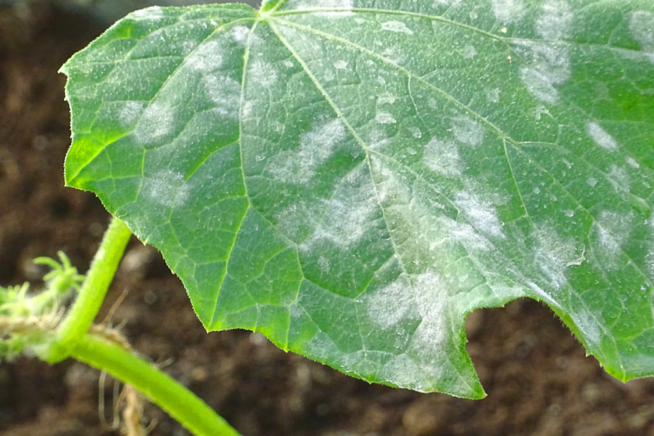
<point>179,402</point>
<point>92,293</point>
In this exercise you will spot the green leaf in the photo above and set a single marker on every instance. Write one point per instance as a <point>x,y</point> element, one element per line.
<point>352,177</point>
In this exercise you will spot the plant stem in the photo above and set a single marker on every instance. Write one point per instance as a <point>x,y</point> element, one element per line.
<point>92,293</point>
<point>179,402</point>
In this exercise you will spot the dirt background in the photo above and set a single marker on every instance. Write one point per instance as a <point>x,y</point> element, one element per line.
<point>538,380</point>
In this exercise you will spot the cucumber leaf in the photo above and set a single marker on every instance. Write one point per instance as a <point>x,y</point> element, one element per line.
<point>352,177</point>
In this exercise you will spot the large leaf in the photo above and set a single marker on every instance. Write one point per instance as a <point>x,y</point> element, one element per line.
<point>352,177</point>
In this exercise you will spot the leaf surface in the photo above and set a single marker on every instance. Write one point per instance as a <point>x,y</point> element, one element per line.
<point>352,177</point>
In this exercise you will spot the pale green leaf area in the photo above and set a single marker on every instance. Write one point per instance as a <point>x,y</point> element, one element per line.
<point>352,177</point>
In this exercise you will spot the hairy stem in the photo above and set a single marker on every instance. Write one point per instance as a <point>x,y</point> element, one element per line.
<point>103,268</point>
<point>171,396</point>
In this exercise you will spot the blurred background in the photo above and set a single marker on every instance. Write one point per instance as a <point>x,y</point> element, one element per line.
<point>538,379</point>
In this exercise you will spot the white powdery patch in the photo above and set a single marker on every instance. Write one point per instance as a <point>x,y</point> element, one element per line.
<point>469,52</point>
<point>377,137</point>
<point>396,26</point>
<point>166,188</point>
<point>619,179</point>
<point>415,132</point>
<point>466,235</point>
<point>389,305</point>
<point>328,75</point>
<point>393,189</point>
<point>509,11</point>
<point>555,20</point>
<point>225,92</point>
<point>323,4</point>
<point>206,58</point>
<point>348,217</point>
<point>316,147</point>
<point>541,110</point>
<point>340,65</point>
<point>395,54</point>
<point>649,258</point>
<point>438,3</point>
<point>468,130</point>
<point>404,372</point>
<point>262,73</point>
<point>548,66</point>
<point>130,113</point>
<point>632,162</point>
<point>300,215</point>
<point>384,117</point>
<point>248,108</point>
<point>344,5</point>
<point>610,232</point>
<point>154,13</point>
<point>481,215</point>
<point>324,264</point>
<point>493,95</point>
<point>238,34</point>
<point>601,137</point>
<point>156,124</point>
<point>431,299</point>
<point>641,25</point>
<point>442,157</point>
<point>539,85</point>
<point>555,254</point>
<point>386,98</point>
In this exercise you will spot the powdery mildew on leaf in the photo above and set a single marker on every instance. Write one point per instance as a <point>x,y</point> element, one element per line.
<point>438,3</point>
<point>601,137</point>
<point>347,218</point>
<point>130,113</point>
<point>480,214</point>
<point>340,64</point>
<point>262,73</point>
<point>641,24</point>
<point>396,26</point>
<point>384,117</point>
<point>649,257</point>
<point>468,130</point>
<point>469,52</point>
<point>316,147</point>
<point>619,179</point>
<point>431,299</point>
<point>611,232</point>
<point>165,188</point>
<point>207,58</point>
<point>555,254</point>
<point>442,157</point>
<point>156,125</point>
<point>224,92</point>
<point>509,11</point>
<point>555,20</point>
<point>352,178</point>
<point>239,34</point>
<point>548,66</point>
<point>390,305</point>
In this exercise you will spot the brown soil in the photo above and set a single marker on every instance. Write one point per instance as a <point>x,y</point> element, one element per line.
<point>537,378</point>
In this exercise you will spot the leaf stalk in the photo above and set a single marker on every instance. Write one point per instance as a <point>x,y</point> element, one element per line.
<point>92,292</point>
<point>179,402</point>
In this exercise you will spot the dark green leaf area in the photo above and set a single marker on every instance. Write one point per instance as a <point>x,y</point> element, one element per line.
<point>351,178</point>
